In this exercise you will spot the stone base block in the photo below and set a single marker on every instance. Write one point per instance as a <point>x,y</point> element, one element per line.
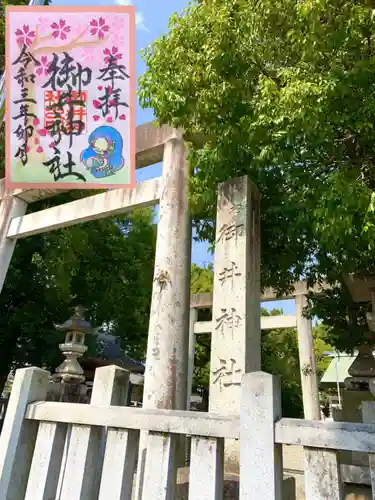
<point>231,486</point>
<point>68,393</point>
<point>357,492</point>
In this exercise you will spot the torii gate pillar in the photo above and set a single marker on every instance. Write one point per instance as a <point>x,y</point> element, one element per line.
<point>10,207</point>
<point>165,385</point>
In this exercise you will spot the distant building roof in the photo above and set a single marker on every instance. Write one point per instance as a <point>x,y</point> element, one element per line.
<point>136,378</point>
<point>108,349</point>
<point>338,369</point>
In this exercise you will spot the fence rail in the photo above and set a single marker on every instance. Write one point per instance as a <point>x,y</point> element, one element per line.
<point>168,421</point>
<point>52,450</point>
<point>343,436</point>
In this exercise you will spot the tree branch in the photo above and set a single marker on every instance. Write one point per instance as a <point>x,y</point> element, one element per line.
<point>69,46</point>
<point>45,38</point>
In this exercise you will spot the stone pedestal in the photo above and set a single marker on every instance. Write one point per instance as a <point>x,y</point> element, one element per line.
<point>235,344</point>
<point>68,393</point>
<point>362,370</point>
<point>70,371</point>
<point>231,486</point>
<point>357,492</point>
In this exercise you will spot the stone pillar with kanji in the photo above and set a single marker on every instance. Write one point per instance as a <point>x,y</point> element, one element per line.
<point>235,347</point>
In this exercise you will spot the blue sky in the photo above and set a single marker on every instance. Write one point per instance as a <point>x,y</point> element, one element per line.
<point>152,21</point>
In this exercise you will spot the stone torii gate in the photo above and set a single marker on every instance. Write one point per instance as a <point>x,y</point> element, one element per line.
<point>165,381</point>
<point>236,310</point>
<point>304,333</point>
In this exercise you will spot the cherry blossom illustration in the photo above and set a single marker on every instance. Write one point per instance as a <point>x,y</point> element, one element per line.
<point>99,27</point>
<point>87,55</point>
<point>60,29</point>
<point>41,132</point>
<point>118,39</point>
<point>108,92</point>
<point>78,29</point>
<point>88,38</point>
<point>44,66</point>
<point>43,25</point>
<point>112,54</point>
<point>111,99</point>
<point>118,23</point>
<point>25,36</point>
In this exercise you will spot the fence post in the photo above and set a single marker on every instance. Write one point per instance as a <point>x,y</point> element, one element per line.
<point>260,458</point>
<point>111,387</point>
<point>18,435</point>
<point>368,417</point>
<point>81,469</point>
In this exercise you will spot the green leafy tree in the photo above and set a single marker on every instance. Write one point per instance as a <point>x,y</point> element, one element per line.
<point>281,91</point>
<point>345,320</point>
<point>105,265</point>
<point>322,347</point>
<point>286,86</point>
<point>202,279</point>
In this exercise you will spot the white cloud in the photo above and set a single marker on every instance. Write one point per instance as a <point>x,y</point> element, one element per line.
<point>139,17</point>
<point>140,22</point>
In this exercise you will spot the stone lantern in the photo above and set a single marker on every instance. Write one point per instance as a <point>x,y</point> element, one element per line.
<point>75,328</point>
<point>360,384</point>
<point>362,370</point>
<point>370,316</point>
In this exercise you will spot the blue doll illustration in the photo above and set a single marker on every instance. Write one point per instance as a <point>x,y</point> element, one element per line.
<point>103,157</point>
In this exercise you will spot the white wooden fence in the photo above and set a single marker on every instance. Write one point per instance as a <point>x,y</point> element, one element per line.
<point>52,451</point>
